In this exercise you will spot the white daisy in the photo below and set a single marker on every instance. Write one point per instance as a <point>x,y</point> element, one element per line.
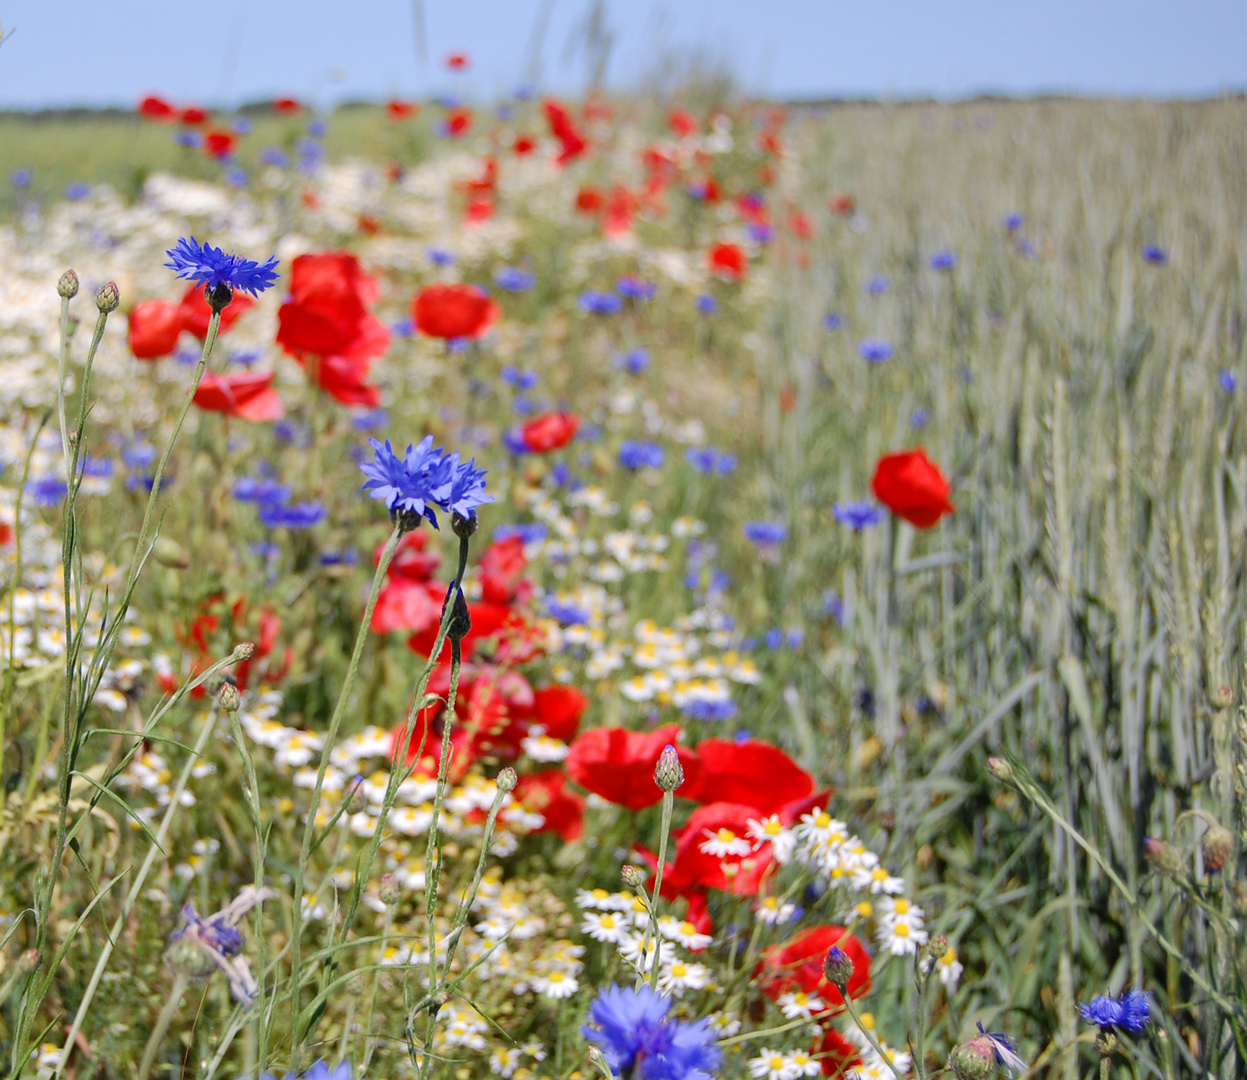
<point>607,926</point>
<point>770,829</point>
<point>799,1005</point>
<point>772,1065</point>
<point>724,842</point>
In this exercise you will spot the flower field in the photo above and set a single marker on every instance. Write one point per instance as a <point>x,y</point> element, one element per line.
<point>623,588</point>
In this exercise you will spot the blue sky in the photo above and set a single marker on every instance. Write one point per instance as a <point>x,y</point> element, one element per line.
<point>73,52</point>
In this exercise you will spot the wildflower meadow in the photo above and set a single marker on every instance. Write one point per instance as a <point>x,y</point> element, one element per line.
<point>627,587</point>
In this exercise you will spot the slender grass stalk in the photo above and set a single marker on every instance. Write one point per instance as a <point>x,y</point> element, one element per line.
<point>161,1028</point>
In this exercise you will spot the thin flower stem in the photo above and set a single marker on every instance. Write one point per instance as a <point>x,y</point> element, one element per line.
<point>668,800</point>
<point>331,736</point>
<point>157,1037</point>
<point>870,1038</point>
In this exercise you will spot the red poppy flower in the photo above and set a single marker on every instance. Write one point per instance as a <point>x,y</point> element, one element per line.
<point>401,110</point>
<point>842,204</point>
<point>220,144</point>
<point>912,487</point>
<point>836,1054</point>
<point>619,765</point>
<point>286,106</point>
<point>487,182</point>
<point>457,61</point>
<point>735,867</point>
<point>549,432</point>
<point>558,709</point>
<point>194,116</point>
<point>453,311</point>
<point>798,965</point>
<point>478,210</point>
<point>752,773</point>
<point>368,224</point>
<point>458,122</point>
<point>523,145</point>
<point>411,606</point>
<point>194,312</point>
<point>156,108</point>
<point>410,560</point>
<point>546,793</point>
<point>155,326</point>
<point>682,122</point>
<point>562,127</point>
<point>800,226</point>
<point>589,200</point>
<point>245,395</point>
<point>619,211</point>
<point>728,261</point>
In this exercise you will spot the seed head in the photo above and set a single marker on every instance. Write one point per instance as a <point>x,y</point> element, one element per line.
<point>356,800</point>
<point>838,968</point>
<point>1222,697</point>
<point>108,298</point>
<point>170,553</point>
<point>669,773</point>
<point>67,286</point>
<point>1218,847</point>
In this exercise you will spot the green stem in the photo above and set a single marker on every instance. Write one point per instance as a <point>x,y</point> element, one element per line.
<point>157,1037</point>
<point>668,801</point>
<point>870,1038</point>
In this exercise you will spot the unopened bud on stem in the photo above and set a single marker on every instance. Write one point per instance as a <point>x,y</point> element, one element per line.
<point>633,876</point>
<point>1218,847</point>
<point>1000,769</point>
<point>669,773</point>
<point>506,780</point>
<point>838,968</point>
<point>108,298</point>
<point>1163,857</point>
<point>228,696</point>
<point>67,286</point>
<point>244,650</point>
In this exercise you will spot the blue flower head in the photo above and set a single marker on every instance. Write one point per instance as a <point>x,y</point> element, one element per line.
<point>832,322</point>
<point>640,455</point>
<point>878,285</point>
<point>513,279</point>
<point>295,516</point>
<point>943,260</point>
<point>20,178</point>
<point>638,1040</point>
<point>1228,381</point>
<point>877,352</point>
<point>635,288</point>
<point>1157,256</point>
<point>423,480</point>
<point>601,303</point>
<point>857,515</point>
<point>765,533</point>
<point>1014,222</point>
<point>633,362</point>
<point>1128,1013</point>
<point>707,304</point>
<point>211,267</point>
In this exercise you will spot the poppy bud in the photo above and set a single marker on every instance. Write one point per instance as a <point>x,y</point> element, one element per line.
<point>1222,696</point>
<point>67,286</point>
<point>463,527</point>
<point>460,620</point>
<point>838,968</point>
<point>506,780</point>
<point>228,696</point>
<point>973,1060</point>
<point>108,298</point>
<point>669,773</point>
<point>1000,769</point>
<point>242,651</point>
<point>1162,857</point>
<point>1218,847</point>
<point>170,553</point>
<point>218,296</point>
<point>389,891</point>
<point>633,876</point>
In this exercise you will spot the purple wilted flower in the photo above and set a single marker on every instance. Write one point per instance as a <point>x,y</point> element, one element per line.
<point>1127,1013</point>
<point>639,1041</point>
<point>877,352</point>
<point>600,303</point>
<point>215,942</point>
<point>211,267</point>
<point>857,515</point>
<point>976,1056</point>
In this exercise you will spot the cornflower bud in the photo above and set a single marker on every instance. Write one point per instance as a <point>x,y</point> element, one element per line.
<point>67,286</point>
<point>460,620</point>
<point>463,527</point>
<point>838,968</point>
<point>170,553</point>
<point>405,519</point>
<point>1218,847</point>
<point>669,773</point>
<point>228,696</point>
<point>1162,857</point>
<point>972,1060</point>
<point>108,298</point>
<point>1222,697</point>
<point>389,891</point>
<point>506,780</point>
<point>356,800</point>
<point>1000,769</point>
<point>633,876</point>
<point>244,650</point>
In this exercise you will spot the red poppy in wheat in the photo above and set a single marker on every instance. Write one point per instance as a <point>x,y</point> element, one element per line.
<point>247,396</point>
<point>842,204</point>
<point>752,773</point>
<point>549,432</point>
<point>619,765</point>
<point>458,122</point>
<point>558,709</point>
<point>502,569</point>
<point>682,122</point>
<point>728,261</point>
<point>287,106</point>
<point>156,108</point>
<point>546,793</point>
<point>837,1055</point>
<point>912,487</point>
<point>220,144</point>
<point>620,210</point>
<point>454,311</point>
<point>193,116</point>
<point>401,110</point>
<point>798,966</point>
<point>155,326</point>
<point>572,143</point>
<point>523,145</point>
<point>589,200</point>
<point>195,313</point>
<point>714,851</point>
<point>457,61</point>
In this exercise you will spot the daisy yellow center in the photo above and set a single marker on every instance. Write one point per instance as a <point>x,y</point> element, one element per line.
<point>556,976</point>
<point>901,930</point>
<point>777,1062</point>
<point>687,928</point>
<point>823,820</point>
<point>949,958</point>
<point>901,907</point>
<point>772,828</point>
<point>879,874</point>
<point>637,905</point>
<point>679,970</point>
<point>770,903</point>
<point>800,998</point>
<point>600,894</point>
<point>607,922</point>
<point>865,909</point>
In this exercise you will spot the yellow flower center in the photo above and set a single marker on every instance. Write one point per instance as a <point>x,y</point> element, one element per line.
<point>879,874</point>
<point>901,930</point>
<point>823,820</point>
<point>865,909</point>
<point>901,907</point>
<point>726,835</point>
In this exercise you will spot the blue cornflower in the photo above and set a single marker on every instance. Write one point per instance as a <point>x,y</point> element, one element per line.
<point>1127,1013</point>
<point>795,638</point>
<point>242,125</point>
<point>346,557</point>
<point>707,304</point>
<point>438,257</point>
<point>191,140</point>
<point>275,156</point>
<point>138,455</point>
<point>765,533</point>
<point>513,279</point>
<point>832,322</point>
<point>1228,381</point>
<point>918,418</point>
<point>639,1041</point>
<point>504,112</point>
<point>1157,256</point>
<point>99,467</point>
<point>773,639</point>
<point>709,710</point>
<point>524,93</point>
<point>295,516</point>
<point>857,515</point>
<point>319,1071</point>
<point>403,328</point>
<point>633,362</point>
<point>943,260</point>
<point>466,490</point>
<point>236,177</point>
<point>370,419</point>
<point>259,490</point>
<point>532,533</point>
<point>47,490</point>
<point>20,178</point>
<point>707,460</point>
<point>317,129</point>
<point>877,352</point>
<point>833,607</point>
<point>311,154</point>
<point>410,482</point>
<point>211,267</point>
<point>640,455</point>
<point>635,288</point>
<point>522,380</point>
<point>600,303</point>
<point>77,191</point>
<point>567,614</point>
<point>760,232</point>
<point>1014,222</point>
<point>246,357</point>
<point>878,285</point>
<point>216,941</point>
